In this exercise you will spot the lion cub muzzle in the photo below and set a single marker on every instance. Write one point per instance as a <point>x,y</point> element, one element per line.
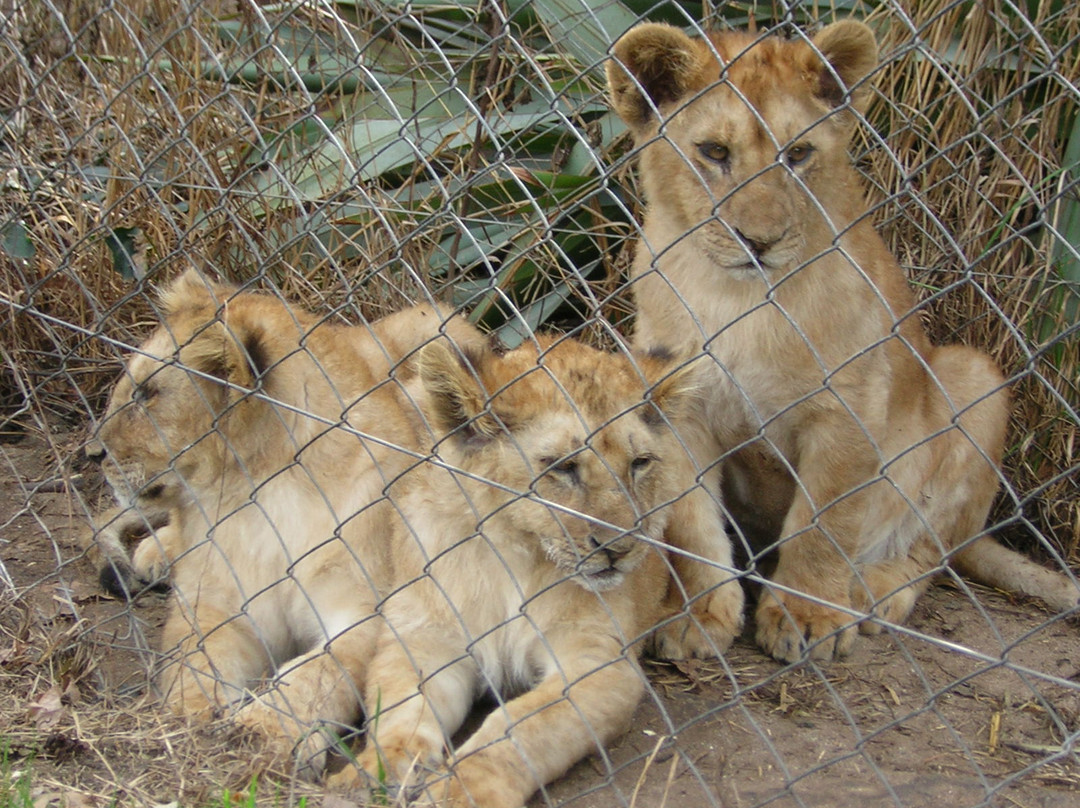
<point>95,451</point>
<point>607,562</point>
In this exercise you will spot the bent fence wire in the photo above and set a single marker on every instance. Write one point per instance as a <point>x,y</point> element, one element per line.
<point>350,159</point>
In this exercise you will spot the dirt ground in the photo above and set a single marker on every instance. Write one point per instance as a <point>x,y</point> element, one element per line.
<point>975,703</point>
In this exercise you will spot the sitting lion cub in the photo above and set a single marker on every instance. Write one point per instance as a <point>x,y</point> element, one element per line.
<point>868,453</point>
<point>521,568</point>
<point>257,440</point>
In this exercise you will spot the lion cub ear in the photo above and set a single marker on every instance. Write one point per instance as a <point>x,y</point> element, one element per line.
<point>192,291</point>
<point>673,385</point>
<point>459,403</point>
<point>850,49</point>
<point>653,64</point>
<point>234,353</point>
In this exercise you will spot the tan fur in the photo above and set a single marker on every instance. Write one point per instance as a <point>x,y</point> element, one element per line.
<point>522,570</point>
<point>269,435</point>
<point>758,249</point>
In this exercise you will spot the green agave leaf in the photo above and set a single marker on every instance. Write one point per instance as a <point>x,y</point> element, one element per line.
<point>1067,242</point>
<point>585,29</point>
<point>477,241</point>
<point>376,146</point>
<point>121,243</point>
<point>15,241</point>
<point>583,157</point>
<point>1064,303</point>
<point>521,278</point>
<point>530,318</point>
<point>427,6</point>
<point>453,33</point>
<point>288,54</point>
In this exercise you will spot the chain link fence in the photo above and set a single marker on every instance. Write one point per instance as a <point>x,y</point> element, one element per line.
<point>324,167</point>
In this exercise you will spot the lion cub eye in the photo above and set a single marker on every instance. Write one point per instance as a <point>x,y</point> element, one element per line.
<point>143,392</point>
<point>798,154</point>
<point>640,463</point>
<point>714,152</point>
<point>567,467</point>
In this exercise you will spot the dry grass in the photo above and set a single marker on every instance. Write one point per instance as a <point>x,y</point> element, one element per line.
<point>98,139</point>
<point>82,745</point>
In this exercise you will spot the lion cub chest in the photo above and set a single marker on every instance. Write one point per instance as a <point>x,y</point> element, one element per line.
<point>493,603</point>
<point>773,355</point>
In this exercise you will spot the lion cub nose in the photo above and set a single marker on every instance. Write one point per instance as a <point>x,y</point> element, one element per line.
<point>95,451</point>
<point>757,245</point>
<point>614,550</point>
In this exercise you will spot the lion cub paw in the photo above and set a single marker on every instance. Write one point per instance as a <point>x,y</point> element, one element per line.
<point>150,561</point>
<point>714,621</point>
<point>354,781</point>
<point>389,770</point>
<point>290,740</point>
<point>434,789</point>
<point>480,780</point>
<point>790,627</point>
<point>885,597</point>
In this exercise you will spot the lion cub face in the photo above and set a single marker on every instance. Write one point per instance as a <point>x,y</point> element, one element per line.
<point>154,411</point>
<point>743,138</point>
<point>572,445</point>
<point>161,436</point>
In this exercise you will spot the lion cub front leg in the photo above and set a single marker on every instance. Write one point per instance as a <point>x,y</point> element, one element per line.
<point>820,537</point>
<point>210,658</point>
<point>704,588</point>
<point>534,738</point>
<point>419,688</point>
<point>314,693</point>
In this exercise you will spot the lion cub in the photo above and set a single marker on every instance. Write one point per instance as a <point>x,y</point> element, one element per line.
<point>522,569</point>
<point>257,439</point>
<point>869,454</point>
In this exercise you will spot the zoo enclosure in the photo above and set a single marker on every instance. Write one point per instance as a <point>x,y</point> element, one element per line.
<point>355,156</point>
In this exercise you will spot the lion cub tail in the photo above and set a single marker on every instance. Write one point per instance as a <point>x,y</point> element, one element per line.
<point>990,563</point>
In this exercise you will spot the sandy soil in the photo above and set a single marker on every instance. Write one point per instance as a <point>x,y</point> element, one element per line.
<point>975,703</point>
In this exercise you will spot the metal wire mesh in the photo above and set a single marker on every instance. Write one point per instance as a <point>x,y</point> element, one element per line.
<point>333,165</point>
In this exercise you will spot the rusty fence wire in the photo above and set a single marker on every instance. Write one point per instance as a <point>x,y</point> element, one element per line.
<point>409,292</point>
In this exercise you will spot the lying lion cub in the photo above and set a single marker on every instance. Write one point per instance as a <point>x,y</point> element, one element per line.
<point>521,569</point>
<point>258,440</point>
<point>870,454</point>
<point>255,441</point>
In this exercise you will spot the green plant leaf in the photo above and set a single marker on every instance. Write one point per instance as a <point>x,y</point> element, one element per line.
<point>121,242</point>
<point>1067,229</point>
<point>585,29</point>
<point>15,241</point>
<point>1059,307</point>
<point>531,317</point>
